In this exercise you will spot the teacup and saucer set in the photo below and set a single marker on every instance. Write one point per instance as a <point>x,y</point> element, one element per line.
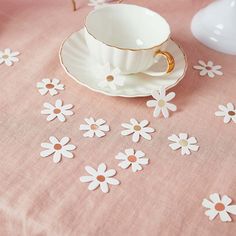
<point>123,50</point>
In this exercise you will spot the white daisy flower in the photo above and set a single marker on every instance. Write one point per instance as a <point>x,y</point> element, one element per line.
<point>137,129</point>
<point>208,69</point>
<point>51,86</point>
<point>219,206</point>
<point>228,111</point>
<point>130,157</point>
<point>110,78</point>
<point>161,103</point>
<point>97,3</point>
<point>58,148</point>
<point>8,57</point>
<point>57,111</point>
<point>97,128</point>
<point>182,141</point>
<point>100,177</point>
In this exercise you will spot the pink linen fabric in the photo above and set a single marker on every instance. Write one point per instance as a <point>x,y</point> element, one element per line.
<point>39,198</point>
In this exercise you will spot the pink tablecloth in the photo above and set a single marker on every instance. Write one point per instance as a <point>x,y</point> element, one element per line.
<point>38,197</point>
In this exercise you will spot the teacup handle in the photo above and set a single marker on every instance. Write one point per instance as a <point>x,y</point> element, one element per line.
<point>170,64</point>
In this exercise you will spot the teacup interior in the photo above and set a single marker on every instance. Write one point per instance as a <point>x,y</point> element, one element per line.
<point>127,26</point>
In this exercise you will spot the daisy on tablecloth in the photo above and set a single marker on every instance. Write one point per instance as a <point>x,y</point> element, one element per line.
<point>100,177</point>
<point>137,129</point>
<point>161,102</point>
<point>130,157</point>
<point>58,148</point>
<point>208,69</point>
<point>98,3</point>
<point>219,206</point>
<point>8,57</point>
<point>182,141</point>
<point>57,111</point>
<point>228,111</point>
<point>51,86</point>
<point>94,127</point>
<point>109,77</point>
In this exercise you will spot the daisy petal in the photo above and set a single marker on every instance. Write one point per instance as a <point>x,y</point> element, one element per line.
<point>139,154</point>
<point>146,136</point>
<point>57,157</point>
<point>135,137</point>
<point>124,164</point>
<point>110,173</point>
<point>86,179</point>
<point>136,167</point>
<point>174,146</point>
<point>112,181</point>
<point>93,185</point>
<point>129,151</point>
<point>91,170</point>
<point>226,200</point>
<point>211,214</point>
<point>224,216</point>
<point>64,141</point>
<point>102,168</point>
<point>47,153</point>
<point>151,103</point>
<point>215,197</point>
<point>231,209</point>
<point>104,187</point>
<point>67,154</point>
<point>206,203</point>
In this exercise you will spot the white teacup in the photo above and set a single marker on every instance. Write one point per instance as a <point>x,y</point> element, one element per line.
<point>128,37</point>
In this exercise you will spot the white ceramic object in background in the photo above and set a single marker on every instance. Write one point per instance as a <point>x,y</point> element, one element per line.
<point>215,26</point>
<point>129,37</point>
<point>80,66</point>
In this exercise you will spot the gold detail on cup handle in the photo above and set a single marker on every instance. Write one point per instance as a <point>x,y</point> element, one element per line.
<point>169,58</point>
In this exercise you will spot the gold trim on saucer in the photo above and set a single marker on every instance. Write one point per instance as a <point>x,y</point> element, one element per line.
<point>125,96</point>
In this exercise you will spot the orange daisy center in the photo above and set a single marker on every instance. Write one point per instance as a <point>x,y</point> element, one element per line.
<point>93,127</point>
<point>56,111</point>
<point>49,86</point>
<point>109,78</point>
<point>101,178</point>
<point>231,113</point>
<point>219,206</point>
<point>132,158</point>
<point>137,128</point>
<point>57,146</point>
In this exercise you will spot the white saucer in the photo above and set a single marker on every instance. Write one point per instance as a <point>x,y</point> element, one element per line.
<point>77,62</point>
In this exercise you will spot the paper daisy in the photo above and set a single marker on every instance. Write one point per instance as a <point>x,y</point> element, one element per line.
<point>109,78</point>
<point>8,57</point>
<point>132,158</point>
<point>51,86</point>
<point>58,148</point>
<point>137,129</point>
<point>161,103</point>
<point>182,141</point>
<point>57,111</point>
<point>219,206</point>
<point>97,3</point>
<point>228,111</point>
<point>100,177</point>
<point>94,127</point>
<point>208,69</point>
